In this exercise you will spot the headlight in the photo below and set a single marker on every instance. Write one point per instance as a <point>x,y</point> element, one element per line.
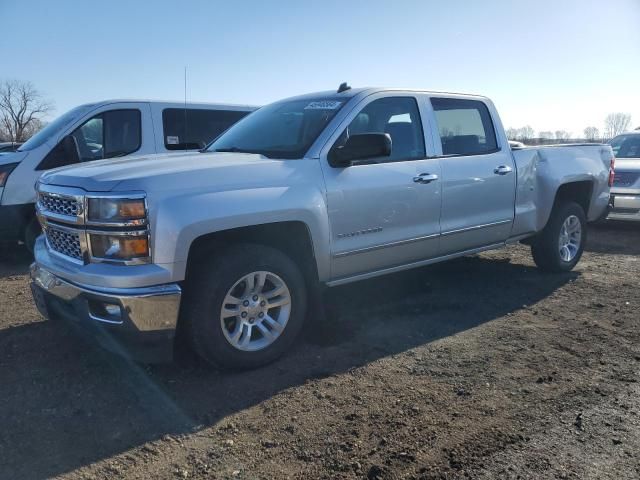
<point>131,211</point>
<point>133,246</point>
<point>5,170</point>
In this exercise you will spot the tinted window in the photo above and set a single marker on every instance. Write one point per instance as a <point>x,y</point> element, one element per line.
<point>397,116</point>
<point>283,130</point>
<point>192,129</point>
<point>626,146</point>
<point>109,134</point>
<point>465,126</point>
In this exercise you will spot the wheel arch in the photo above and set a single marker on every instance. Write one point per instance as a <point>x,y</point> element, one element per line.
<point>579,191</point>
<point>293,238</point>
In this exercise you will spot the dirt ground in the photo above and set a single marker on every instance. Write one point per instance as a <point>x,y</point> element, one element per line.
<point>478,368</point>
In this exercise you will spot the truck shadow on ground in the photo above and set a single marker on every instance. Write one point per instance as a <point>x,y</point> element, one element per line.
<point>65,403</point>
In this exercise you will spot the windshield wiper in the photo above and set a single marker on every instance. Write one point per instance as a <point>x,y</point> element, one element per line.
<point>233,150</point>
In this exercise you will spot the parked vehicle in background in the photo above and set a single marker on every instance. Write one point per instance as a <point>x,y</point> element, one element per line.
<point>6,147</point>
<point>317,190</point>
<point>625,192</point>
<point>514,144</point>
<point>102,130</point>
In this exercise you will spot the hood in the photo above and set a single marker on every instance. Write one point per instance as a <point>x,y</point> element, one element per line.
<point>166,172</point>
<point>12,157</point>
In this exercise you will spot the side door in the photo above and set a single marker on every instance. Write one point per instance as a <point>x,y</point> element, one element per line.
<point>478,175</point>
<point>380,216</point>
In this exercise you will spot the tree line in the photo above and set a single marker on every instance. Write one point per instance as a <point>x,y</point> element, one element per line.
<point>614,124</point>
<point>22,109</point>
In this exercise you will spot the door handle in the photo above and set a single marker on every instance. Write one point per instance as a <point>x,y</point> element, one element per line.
<point>502,170</point>
<point>425,178</point>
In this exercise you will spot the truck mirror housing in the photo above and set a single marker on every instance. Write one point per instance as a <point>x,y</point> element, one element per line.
<point>360,147</point>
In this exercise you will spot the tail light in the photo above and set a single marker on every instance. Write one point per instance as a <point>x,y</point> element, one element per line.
<point>612,171</point>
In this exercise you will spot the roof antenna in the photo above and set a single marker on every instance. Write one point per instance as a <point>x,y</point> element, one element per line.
<point>186,146</point>
<point>343,87</point>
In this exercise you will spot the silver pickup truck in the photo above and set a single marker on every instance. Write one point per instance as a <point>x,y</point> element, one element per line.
<point>232,245</point>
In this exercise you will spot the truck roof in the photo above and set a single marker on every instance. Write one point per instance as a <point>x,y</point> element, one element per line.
<point>171,104</point>
<point>352,92</point>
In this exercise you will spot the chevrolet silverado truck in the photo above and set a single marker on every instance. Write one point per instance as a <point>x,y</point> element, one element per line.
<point>233,245</point>
<point>625,191</point>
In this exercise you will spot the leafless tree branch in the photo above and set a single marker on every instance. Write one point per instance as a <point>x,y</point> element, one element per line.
<point>21,109</point>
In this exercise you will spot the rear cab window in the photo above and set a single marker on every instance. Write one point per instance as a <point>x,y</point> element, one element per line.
<point>464,126</point>
<point>194,129</point>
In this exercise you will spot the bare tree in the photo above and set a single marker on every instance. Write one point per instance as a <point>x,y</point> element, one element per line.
<point>525,133</point>
<point>512,133</point>
<point>546,135</point>
<point>21,109</point>
<point>591,133</point>
<point>615,124</point>
<point>562,135</point>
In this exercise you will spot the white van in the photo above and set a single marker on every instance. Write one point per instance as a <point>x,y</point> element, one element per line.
<point>108,129</point>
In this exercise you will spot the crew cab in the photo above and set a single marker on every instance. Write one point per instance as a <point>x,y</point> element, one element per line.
<point>100,130</point>
<point>233,244</point>
<point>625,192</point>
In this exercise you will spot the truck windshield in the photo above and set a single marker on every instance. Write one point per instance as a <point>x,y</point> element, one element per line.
<point>281,130</point>
<point>626,146</point>
<point>54,127</point>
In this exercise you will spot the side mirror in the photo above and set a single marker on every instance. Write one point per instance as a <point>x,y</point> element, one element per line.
<point>360,147</point>
<point>71,150</point>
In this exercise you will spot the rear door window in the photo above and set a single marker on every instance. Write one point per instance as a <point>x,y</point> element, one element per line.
<point>465,126</point>
<point>191,129</point>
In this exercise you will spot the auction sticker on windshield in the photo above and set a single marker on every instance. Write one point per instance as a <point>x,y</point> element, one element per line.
<point>323,105</point>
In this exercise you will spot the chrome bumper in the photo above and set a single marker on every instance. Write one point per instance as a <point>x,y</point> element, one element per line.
<point>624,206</point>
<point>139,322</point>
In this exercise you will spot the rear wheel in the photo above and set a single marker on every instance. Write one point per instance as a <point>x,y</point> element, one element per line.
<point>245,307</point>
<point>559,246</point>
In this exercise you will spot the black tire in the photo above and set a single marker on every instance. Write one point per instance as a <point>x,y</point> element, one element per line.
<point>207,287</point>
<point>545,248</point>
<point>31,232</point>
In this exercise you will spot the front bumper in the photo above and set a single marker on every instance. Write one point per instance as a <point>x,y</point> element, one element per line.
<point>138,323</point>
<point>625,206</point>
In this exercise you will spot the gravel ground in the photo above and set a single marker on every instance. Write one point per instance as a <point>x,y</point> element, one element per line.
<point>482,367</point>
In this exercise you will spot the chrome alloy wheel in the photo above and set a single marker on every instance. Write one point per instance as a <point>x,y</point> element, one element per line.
<point>255,311</point>
<point>570,238</point>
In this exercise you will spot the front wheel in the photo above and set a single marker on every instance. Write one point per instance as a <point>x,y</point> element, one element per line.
<point>559,246</point>
<point>245,306</point>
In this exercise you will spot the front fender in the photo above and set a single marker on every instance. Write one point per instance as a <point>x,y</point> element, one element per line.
<point>179,220</point>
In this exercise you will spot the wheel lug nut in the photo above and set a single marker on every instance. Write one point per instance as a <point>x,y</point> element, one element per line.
<point>255,298</point>
<point>245,303</point>
<point>251,320</point>
<point>263,303</point>
<point>261,314</point>
<point>243,314</point>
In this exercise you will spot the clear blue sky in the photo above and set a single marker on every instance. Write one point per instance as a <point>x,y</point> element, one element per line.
<point>553,64</point>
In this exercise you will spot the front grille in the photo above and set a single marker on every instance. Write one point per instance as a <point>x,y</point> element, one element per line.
<point>625,179</point>
<point>59,205</point>
<point>66,243</point>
